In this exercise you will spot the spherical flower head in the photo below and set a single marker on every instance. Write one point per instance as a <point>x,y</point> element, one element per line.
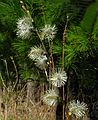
<point>77,108</point>
<point>35,53</point>
<point>41,62</point>
<point>58,78</point>
<point>24,27</point>
<point>48,32</point>
<point>51,98</point>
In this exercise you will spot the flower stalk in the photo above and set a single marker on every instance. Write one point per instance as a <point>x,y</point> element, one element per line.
<point>63,44</point>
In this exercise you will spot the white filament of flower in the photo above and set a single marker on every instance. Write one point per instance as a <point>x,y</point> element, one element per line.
<point>77,108</point>
<point>37,54</point>
<point>24,27</point>
<point>59,78</point>
<point>48,32</point>
<point>50,98</point>
<point>41,62</point>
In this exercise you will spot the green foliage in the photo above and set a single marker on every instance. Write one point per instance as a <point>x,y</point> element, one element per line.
<point>7,16</point>
<point>77,42</point>
<point>90,17</point>
<point>77,39</point>
<point>95,35</point>
<point>28,73</point>
<point>2,39</point>
<point>95,30</point>
<point>77,45</point>
<point>48,12</point>
<point>5,49</point>
<point>51,9</point>
<point>21,47</point>
<point>57,47</point>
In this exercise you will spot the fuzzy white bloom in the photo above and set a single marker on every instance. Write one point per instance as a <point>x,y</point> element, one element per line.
<point>58,78</point>
<point>77,108</point>
<point>51,98</point>
<point>36,52</point>
<point>48,32</point>
<point>41,62</point>
<point>24,27</point>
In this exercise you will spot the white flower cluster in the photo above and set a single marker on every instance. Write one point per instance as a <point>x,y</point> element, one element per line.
<point>24,27</point>
<point>51,98</point>
<point>35,52</point>
<point>41,61</point>
<point>37,55</point>
<point>77,108</point>
<point>58,78</point>
<point>48,32</point>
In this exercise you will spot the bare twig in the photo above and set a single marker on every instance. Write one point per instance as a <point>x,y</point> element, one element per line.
<point>17,77</point>
<point>6,68</point>
<point>51,61</point>
<point>3,81</point>
<point>63,44</point>
<point>51,56</point>
<point>40,40</point>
